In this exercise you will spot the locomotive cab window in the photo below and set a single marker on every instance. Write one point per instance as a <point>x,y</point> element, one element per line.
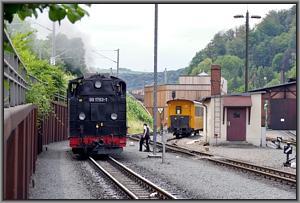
<point>178,110</point>
<point>198,111</point>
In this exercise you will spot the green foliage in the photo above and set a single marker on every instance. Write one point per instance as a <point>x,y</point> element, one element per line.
<point>135,110</point>
<point>277,61</point>
<point>274,81</point>
<point>52,78</point>
<point>203,66</point>
<point>260,76</point>
<point>39,95</point>
<point>235,84</point>
<point>272,47</point>
<point>136,115</point>
<point>57,12</point>
<point>70,52</point>
<point>292,73</point>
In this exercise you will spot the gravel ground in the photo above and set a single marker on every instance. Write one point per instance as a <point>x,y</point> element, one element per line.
<point>268,156</point>
<point>61,175</point>
<point>200,179</point>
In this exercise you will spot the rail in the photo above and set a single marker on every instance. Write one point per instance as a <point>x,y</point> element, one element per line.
<point>134,185</point>
<point>266,172</point>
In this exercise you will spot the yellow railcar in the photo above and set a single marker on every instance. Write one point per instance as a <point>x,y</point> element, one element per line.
<point>184,117</point>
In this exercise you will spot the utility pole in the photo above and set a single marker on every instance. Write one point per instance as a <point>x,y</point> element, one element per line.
<point>246,57</point>
<point>155,82</point>
<point>246,51</point>
<point>118,54</point>
<point>166,76</point>
<point>52,59</point>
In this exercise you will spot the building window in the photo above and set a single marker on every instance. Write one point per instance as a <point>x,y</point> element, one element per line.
<point>236,114</point>
<point>178,110</point>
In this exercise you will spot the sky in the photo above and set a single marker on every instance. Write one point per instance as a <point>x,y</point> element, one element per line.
<point>183,29</point>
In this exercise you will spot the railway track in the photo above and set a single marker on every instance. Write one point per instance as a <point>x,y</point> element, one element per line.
<point>266,172</point>
<point>274,140</point>
<point>133,185</point>
<point>176,149</point>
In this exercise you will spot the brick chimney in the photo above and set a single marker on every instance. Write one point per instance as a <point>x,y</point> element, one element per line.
<point>215,79</point>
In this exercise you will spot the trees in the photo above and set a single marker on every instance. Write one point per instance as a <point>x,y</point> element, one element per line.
<point>57,12</point>
<point>203,66</point>
<point>272,47</point>
<point>230,66</point>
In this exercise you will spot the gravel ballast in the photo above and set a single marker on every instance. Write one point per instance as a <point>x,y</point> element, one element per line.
<point>200,179</point>
<point>62,175</point>
<point>59,175</point>
<point>265,156</point>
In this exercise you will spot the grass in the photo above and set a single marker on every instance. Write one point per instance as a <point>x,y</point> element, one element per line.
<point>136,116</point>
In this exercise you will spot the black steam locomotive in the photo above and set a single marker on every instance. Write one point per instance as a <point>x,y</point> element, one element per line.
<point>97,114</point>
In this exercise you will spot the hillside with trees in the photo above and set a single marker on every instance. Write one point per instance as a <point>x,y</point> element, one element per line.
<point>272,51</point>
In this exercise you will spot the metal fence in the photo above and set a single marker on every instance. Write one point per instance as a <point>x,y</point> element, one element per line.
<point>20,150</point>
<point>55,126</point>
<point>14,74</point>
<point>22,139</point>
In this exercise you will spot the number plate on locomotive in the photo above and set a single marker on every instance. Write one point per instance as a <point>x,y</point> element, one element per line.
<point>98,99</point>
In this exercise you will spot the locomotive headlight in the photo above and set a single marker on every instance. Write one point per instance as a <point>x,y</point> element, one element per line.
<point>81,116</point>
<point>114,116</point>
<point>97,84</point>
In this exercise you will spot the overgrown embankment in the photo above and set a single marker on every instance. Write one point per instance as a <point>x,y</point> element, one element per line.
<point>136,116</point>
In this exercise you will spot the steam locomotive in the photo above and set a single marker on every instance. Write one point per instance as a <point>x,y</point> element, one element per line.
<point>97,114</point>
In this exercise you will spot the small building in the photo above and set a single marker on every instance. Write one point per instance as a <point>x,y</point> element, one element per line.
<point>234,117</point>
<point>190,88</point>
<point>280,102</point>
<point>230,118</point>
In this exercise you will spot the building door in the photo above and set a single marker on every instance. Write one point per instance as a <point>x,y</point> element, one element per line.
<point>283,114</point>
<point>236,124</point>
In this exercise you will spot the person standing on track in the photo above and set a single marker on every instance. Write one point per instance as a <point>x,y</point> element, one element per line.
<point>145,136</point>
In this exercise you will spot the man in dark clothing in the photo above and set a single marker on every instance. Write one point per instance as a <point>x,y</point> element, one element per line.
<point>145,136</point>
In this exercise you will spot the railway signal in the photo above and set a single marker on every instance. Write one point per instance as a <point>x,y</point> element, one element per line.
<point>279,140</point>
<point>288,149</point>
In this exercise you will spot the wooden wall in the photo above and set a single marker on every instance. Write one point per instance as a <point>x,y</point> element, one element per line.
<point>288,91</point>
<point>164,94</point>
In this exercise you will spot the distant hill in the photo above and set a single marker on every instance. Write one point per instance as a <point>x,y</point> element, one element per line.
<point>272,49</point>
<point>137,79</point>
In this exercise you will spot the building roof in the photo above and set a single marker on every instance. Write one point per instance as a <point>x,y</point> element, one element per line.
<point>194,75</point>
<point>237,101</point>
<point>184,100</point>
<point>151,86</point>
<point>245,94</point>
<point>275,86</point>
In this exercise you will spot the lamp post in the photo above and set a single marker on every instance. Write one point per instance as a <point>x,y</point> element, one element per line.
<point>246,56</point>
